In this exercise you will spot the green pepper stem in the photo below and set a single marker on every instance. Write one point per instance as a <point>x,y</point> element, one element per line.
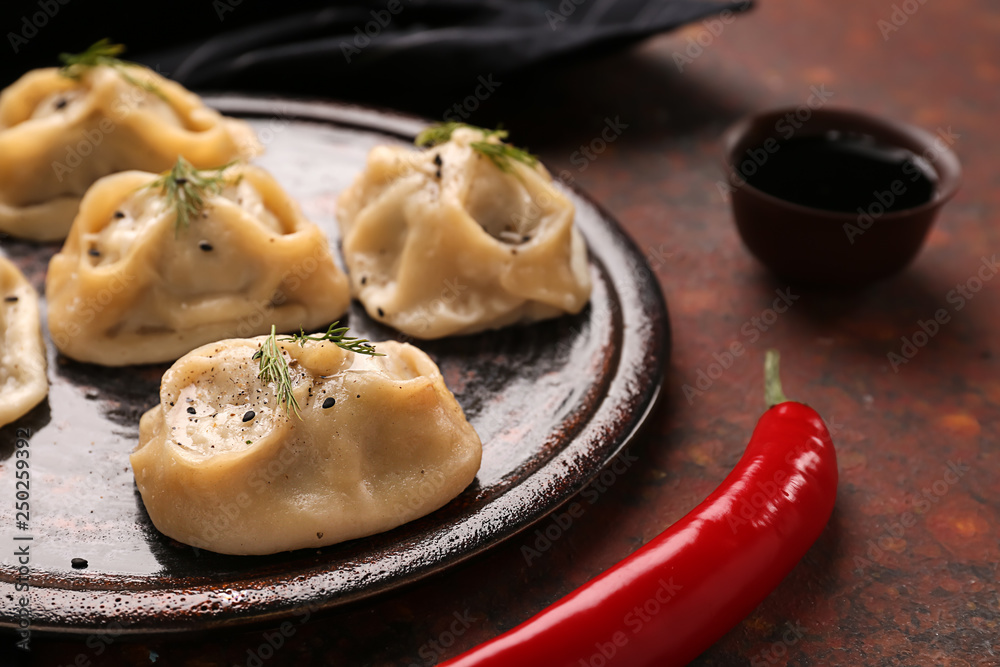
<point>772,380</point>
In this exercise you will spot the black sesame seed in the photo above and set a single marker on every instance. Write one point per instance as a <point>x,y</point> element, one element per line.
<point>10,299</point>
<point>206,246</point>
<point>181,181</point>
<point>94,252</point>
<point>364,279</point>
<point>249,415</point>
<point>79,563</point>
<point>437,159</point>
<point>437,173</point>
<point>330,402</point>
<point>525,239</point>
<point>119,215</point>
<point>191,411</point>
<point>359,395</point>
<point>61,102</point>
<point>381,313</point>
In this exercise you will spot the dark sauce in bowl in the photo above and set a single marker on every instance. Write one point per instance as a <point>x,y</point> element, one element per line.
<point>840,171</point>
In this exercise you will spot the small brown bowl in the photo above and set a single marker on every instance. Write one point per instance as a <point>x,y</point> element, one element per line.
<point>814,246</point>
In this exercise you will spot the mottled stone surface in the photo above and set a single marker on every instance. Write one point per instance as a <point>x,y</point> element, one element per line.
<point>871,591</point>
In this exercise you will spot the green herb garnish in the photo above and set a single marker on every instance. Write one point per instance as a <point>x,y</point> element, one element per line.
<point>274,368</point>
<point>498,151</point>
<point>338,336</point>
<point>186,189</point>
<point>103,53</point>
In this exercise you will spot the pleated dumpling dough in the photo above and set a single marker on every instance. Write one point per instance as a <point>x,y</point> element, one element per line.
<point>23,380</point>
<point>221,465</point>
<point>133,285</point>
<point>58,135</point>
<point>453,241</point>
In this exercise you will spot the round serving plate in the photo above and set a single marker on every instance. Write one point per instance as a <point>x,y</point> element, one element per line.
<point>553,403</point>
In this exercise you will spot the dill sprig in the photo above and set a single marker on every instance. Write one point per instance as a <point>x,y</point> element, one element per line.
<point>274,368</point>
<point>493,145</point>
<point>186,189</point>
<point>104,53</point>
<point>501,154</point>
<point>338,336</point>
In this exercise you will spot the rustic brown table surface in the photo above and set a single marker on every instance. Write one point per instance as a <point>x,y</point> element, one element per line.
<point>906,572</point>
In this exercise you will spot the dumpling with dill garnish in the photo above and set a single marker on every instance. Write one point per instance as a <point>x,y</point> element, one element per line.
<point>302,442</point>
<point>156,265</point>
<point>23,380</point>
<point>63,128</point>
<point>468,235</point>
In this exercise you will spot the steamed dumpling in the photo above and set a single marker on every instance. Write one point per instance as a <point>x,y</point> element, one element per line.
<point>222,465</point>
<point>23,381</point>
<point>58,135</point>
<point>134,285</point>
<point>448,241</point>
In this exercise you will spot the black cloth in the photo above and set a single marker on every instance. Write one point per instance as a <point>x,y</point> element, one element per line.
<point>320,48</point>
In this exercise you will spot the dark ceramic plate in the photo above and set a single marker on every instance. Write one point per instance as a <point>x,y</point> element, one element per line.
<point>553,403</point>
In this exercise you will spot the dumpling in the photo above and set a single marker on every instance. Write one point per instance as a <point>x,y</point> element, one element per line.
<point>371,443</point>
<point>61,129</point>
<point>466,236</point>
<point>23,380</point>
<point>148,274</point>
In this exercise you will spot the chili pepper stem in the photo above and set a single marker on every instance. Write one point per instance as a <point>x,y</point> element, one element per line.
<point>772,379</point>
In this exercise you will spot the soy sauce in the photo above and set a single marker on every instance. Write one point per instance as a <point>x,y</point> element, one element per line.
<point>838,171</point>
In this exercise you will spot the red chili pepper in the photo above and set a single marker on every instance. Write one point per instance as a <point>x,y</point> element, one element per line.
<point>678,594</point>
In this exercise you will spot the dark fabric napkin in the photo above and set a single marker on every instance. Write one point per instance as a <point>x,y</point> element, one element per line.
<point>312,47</point>
<point>421,40</point>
